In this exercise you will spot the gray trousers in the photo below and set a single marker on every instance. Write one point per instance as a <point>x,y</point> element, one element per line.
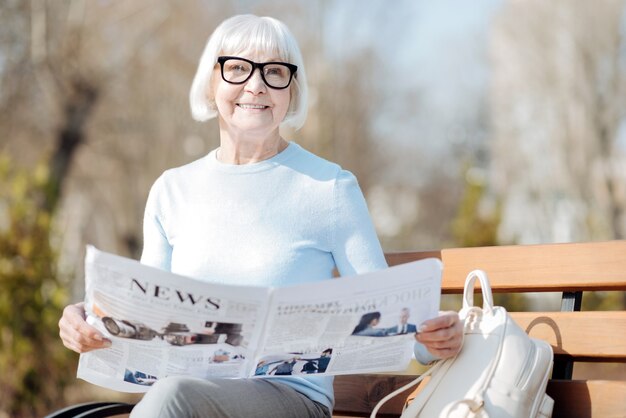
<point>187,397</point>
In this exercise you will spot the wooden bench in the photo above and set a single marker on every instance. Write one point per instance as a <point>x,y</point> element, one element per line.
<point>575,336</point>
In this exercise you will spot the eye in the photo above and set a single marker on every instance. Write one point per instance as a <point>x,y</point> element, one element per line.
<point>275,71</point>
<point>237,68</point>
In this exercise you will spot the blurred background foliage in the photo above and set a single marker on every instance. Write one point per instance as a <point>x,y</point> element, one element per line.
<point>32,295</point>
<point>467,123</point>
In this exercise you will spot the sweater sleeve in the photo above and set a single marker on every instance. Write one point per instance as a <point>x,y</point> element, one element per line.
<point>422,355</point>
<point>355,246</point>
<point>157,251</point>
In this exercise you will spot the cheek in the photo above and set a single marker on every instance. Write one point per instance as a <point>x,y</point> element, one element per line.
<point>281,102</point>
<point>224,95</point>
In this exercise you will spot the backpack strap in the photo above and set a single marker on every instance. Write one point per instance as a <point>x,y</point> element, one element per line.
<point>409,385</point>
<point>468,291</point>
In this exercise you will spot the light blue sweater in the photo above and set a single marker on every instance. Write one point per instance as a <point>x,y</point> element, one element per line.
<point>286,220</point>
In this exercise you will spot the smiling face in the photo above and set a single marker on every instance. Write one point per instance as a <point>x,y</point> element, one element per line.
<point>251,108</point>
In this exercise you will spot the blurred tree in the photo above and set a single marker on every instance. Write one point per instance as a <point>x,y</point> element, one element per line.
<point>33,361</point>
<point>603,301</point>
<point>558,105</point>
<point>340,125</point>
<point>78,88</point>
<point>558,98</point>
<point>476,225</point>
<point>53,74</point>
<point>477,219</point>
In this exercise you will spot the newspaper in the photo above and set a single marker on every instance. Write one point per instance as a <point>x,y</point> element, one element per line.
<point>163,324</point>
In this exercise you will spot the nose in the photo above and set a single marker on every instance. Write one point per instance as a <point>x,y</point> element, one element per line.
<point>255,83</point>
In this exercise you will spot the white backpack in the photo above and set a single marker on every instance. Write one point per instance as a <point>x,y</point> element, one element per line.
<point>500,371</point>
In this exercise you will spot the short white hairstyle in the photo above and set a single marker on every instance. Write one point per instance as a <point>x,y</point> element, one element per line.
<point>243,33</point>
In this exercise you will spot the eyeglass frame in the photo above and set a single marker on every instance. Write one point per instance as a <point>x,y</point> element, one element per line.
<point>292,70</point>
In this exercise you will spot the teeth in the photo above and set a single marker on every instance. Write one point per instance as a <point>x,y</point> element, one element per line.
<point>251,106</point>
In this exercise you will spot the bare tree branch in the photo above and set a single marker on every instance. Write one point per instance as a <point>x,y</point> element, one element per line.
<point>39,54</point>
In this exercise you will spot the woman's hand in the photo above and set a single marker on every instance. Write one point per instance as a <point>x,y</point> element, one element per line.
<point>442,336</point>
<point>76,333</point>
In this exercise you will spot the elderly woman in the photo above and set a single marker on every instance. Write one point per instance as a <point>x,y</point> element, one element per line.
<point>258,210</point>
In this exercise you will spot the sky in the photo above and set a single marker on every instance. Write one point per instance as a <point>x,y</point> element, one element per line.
<point>435,58</point>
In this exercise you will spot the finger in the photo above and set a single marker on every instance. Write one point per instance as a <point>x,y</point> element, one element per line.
<point>443,343</point>
<point>440,335</point>
<point>73,315</point>
<point>74,319</point>
<point>450,347</point>
<point>79,342</point>
<point>82,345</point>
<point>438,339</point>
<point>453,342</point>
<point>445,320</point>
<point>77,334</point>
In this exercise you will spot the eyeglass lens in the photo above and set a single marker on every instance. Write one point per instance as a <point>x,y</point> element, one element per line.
<point>238,71</point>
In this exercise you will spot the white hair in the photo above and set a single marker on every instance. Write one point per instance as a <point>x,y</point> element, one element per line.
<point>244,33</point>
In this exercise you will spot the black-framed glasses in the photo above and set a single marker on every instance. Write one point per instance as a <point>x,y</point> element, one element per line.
<point>237,70</point>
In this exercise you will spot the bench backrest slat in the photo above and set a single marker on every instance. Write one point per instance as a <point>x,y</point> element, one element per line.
<point>585,336</point>
<point>579,266</point>
<point>532,268</point>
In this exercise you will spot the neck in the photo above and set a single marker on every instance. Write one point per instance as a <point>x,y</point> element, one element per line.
<point>239,149</point>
